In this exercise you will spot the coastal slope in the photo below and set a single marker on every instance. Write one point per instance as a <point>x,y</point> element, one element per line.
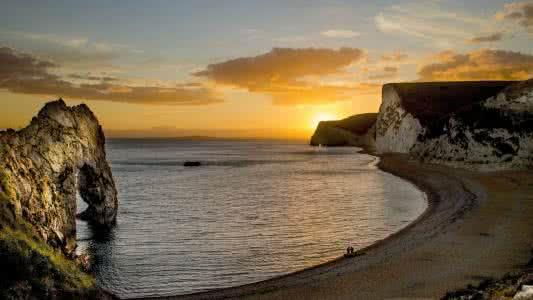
<point>356,130</point>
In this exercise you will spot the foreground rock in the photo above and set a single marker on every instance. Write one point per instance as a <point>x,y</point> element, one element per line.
<point>356,130</point>
<point>42,168</point>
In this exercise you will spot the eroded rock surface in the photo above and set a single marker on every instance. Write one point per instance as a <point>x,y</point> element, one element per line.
<point>496,133</point>
<point>477,124</point>
<point>408,110</point>
<point>43,166</point>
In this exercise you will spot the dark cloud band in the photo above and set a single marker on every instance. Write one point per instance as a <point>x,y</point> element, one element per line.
<point>25,74</point>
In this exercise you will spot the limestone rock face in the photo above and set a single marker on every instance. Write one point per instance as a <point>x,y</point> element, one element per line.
<point>477,124</point>
<point>408,110</point>
<point>43,166</point>
<point>496,133</point>
<point>356,130</point>
<point>396,128</point>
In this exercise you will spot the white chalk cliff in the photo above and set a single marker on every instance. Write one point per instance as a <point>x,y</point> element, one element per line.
<point>477,124</point>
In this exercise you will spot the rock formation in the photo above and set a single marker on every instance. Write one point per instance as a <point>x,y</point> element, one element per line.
<point>356,130</point>
<point>42,168</point>
<point>481,125</point>
<point>408,109</point>
<point>496,133</point>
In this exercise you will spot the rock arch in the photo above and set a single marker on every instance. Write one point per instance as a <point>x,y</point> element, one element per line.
<point>43,165</point>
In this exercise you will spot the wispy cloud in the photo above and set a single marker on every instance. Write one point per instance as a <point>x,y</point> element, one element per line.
<point>386,73</point>
<point>340,33</point>
<point>70,51</point>
<point>430,22</point>
<point>26,74</point>
<point>394,57</point>
<point>493,37</point>
<point>520,12</point>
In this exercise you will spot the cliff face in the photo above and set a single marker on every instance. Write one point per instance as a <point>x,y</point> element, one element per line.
<point>43,166</point>
<point>481,125</point>
<point>356,130</point>
<point>408,109</point>
<point>496,133</point>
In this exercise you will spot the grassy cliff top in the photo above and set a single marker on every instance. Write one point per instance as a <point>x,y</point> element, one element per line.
<point>431,101</point>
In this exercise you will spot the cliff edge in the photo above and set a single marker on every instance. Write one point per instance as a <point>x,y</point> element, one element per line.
<point>496,133</point>
<point>42,168</point>
<point>356,130</point>
<point>483,125</point>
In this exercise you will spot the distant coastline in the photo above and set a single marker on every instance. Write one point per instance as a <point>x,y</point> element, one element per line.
<point>208,138</point>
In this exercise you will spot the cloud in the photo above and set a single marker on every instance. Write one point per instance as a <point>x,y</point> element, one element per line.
<point>521,12</point>
<point>288,74</point>
<point>394,57</point>
<point>281,65</point>
<point>340,33</point>
<point>70,52</point>
<point>429,21</point>
<point>493,37</point>
<point>25,74</point>
<point>388,72</point>
<point>484,64</point>
<point>90,77</point>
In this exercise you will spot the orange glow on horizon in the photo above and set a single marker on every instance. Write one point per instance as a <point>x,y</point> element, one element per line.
<point>321,116</point>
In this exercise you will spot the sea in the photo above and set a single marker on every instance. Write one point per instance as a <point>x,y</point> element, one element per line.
<point>253,210</point>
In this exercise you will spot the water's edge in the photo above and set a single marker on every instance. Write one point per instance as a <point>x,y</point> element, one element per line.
<point>429,196</point>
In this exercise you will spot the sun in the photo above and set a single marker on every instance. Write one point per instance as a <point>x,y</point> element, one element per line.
<point>319,117</point>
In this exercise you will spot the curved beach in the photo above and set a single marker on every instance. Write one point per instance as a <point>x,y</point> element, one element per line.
<point>477,226</point>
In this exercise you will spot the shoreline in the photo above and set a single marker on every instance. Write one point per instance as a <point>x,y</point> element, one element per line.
<point>454,196</point>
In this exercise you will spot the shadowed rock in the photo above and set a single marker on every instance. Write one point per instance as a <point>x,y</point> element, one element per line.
<point>407,109</point>
<point>43,166</point>
<point>496,133</point>
<point>356,130</point>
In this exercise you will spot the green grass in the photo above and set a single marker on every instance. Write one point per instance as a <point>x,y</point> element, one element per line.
<point>37,267</point>
<point>29,267</point>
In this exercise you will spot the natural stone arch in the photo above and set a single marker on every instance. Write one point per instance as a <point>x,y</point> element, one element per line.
<point>93,189</point>
<point>43,165</point>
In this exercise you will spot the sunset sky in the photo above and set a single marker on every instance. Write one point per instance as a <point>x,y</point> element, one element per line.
<point>246,68</point>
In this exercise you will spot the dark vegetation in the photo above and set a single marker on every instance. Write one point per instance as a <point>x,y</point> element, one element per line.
<point>357,124</point>
<point>436,104</point>
<point>434,101</point>
<point>29,267</point>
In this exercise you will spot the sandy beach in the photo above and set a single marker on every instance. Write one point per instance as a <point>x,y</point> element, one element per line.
<point>477,226</point>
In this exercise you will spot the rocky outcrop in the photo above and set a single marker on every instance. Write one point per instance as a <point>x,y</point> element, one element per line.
<point>408,109</point>
<point>479,125</point>
<point>42,168</point>
<point>356,130</point>
<point>496,133</point>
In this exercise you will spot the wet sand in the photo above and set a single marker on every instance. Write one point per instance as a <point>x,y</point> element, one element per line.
<point>477,226</point>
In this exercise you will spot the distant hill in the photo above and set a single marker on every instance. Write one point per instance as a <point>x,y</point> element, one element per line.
<point>351,131</point>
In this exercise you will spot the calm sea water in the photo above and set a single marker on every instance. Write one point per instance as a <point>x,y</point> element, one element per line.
<point>254,210</point>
